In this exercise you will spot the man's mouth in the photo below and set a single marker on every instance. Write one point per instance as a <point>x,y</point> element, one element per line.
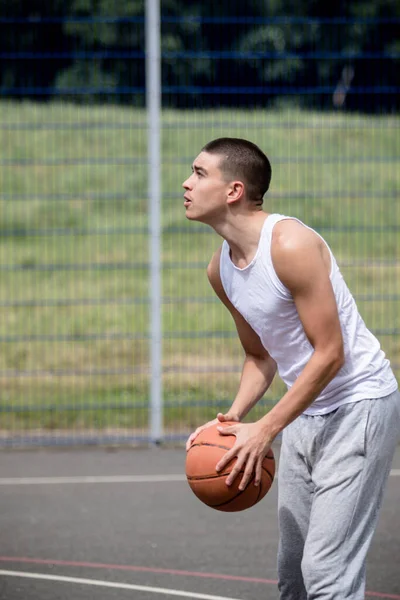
<point>187,201</point>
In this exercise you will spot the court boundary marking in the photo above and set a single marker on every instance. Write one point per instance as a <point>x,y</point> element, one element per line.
<point>79,479</point>
<point>112,584</point>
<point>93,479</point>
<point>136,568</point>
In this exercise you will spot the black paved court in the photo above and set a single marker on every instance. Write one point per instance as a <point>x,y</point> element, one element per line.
<point>154,534</point>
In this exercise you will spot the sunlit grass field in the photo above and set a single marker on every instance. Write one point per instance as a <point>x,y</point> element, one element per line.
<point>74,253</point>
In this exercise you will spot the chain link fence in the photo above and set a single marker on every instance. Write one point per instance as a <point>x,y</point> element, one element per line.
<point>74,207</point>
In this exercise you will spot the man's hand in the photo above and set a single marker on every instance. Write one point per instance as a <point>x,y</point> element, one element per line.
<point>229,416</point>
<point>251,447</point>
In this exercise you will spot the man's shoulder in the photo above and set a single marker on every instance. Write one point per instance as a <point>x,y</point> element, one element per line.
<point>291,234</point>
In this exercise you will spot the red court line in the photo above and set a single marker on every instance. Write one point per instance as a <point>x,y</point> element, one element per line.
<point>72,563</point>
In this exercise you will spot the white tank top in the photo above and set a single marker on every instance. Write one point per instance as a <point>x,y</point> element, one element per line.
<point>267,305</point>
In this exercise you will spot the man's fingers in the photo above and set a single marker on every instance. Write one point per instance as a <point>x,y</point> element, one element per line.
<point>248,473</point>
<point>231,430</point>
<point>236,470</point>
<point>223,430</point>
<point>189,441</point>
<point>226,459</point>
<point>192,437</point>
<point>222,418</point>
<point>258,472</point>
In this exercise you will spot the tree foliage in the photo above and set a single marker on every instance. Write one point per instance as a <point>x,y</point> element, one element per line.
<point>92,50</point>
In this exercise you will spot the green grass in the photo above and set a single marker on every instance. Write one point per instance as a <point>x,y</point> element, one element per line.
<point>337,172</point>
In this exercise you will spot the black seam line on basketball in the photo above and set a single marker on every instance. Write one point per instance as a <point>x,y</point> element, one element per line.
<point>201,477</point>
<point>212,445</point>
<point>240,492</point>
<point>269,473</point>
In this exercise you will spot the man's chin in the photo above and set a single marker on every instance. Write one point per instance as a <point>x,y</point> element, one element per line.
<point>190,216</point>
<point>200,218</point>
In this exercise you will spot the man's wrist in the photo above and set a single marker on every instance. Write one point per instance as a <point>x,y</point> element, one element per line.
<point>271,426</point>
<point>236,416</point>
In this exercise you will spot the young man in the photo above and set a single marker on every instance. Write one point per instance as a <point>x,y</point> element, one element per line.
<point>340,416</point>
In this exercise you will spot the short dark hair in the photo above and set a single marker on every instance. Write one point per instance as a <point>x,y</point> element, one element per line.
<point>244,160</point>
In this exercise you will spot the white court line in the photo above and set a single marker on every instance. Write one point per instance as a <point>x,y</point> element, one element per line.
<point>107,479</point>
<point>92,479</point>
<point>111,584</point>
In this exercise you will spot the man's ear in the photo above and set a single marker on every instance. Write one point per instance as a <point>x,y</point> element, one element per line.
<point>235,191</point>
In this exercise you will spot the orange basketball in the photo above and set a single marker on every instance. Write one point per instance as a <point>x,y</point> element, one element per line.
<point>209,485</point>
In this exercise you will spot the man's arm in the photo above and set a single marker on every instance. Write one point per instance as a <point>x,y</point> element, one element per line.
<point>258,368</point>
<point>300,261</point>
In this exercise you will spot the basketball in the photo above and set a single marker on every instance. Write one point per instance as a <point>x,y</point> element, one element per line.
<point>210,486</point>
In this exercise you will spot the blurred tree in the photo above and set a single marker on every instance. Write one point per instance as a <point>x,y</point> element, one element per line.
<point>109,52</point>
<point>314,45</point>
<point>27,38</point>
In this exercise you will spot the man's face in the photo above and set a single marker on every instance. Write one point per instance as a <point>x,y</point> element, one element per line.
<point>206,190</point>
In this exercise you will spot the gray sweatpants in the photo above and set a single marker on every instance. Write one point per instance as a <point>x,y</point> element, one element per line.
<point>332,473</point>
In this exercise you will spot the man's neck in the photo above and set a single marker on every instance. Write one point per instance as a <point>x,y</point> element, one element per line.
<point>242,233</point>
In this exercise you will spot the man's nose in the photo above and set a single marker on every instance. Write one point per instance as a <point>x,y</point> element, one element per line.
<point>186,184</point>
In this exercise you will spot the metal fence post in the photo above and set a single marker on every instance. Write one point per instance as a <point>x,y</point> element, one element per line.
<point>153,103</point>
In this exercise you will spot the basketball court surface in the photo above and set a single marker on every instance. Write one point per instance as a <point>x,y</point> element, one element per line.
<point>123,523</point>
